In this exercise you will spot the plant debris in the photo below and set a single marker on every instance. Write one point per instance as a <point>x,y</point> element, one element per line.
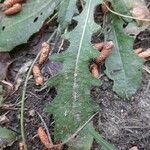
<point>39,79</point>
<point>16,8</point>
<point>10,3</point>
<point>44,53</point>
<point>105,52</point>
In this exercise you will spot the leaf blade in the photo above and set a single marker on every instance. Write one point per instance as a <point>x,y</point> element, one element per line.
<point>17,29</point>
<point>123,66</point>
<point>65,13</point>
<point>73,105</point>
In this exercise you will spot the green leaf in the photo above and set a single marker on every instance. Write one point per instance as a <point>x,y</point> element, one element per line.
<point>73,105</point>
<point>105,145</point>
<point>17,29</point>
<point>123,66</point>
<point>122,6</point>
<point>6,137</point>
<point>66,11</point>
<point>83,141</point>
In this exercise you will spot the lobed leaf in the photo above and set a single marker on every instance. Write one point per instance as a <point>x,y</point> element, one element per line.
<point>73,105</point>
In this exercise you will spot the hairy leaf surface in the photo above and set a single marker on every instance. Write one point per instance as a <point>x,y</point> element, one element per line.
<point>73,105</point>
<point>17,29</point>
<point>123,66</point>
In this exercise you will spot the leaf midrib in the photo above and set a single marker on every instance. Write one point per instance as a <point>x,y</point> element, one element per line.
<point>124,73</point>
<point>78,55</point>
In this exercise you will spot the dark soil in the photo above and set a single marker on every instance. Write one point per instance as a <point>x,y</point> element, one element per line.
<point>122,123</point>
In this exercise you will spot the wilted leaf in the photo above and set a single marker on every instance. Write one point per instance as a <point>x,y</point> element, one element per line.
<point>17,29</point>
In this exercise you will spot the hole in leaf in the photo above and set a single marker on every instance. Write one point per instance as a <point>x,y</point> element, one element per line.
<point>97,37</point>
<point>98,15</point>
<point>35,20</point>
<point>65,45</point>
<point>80,5</point>
<point>125,25</point>
<point>72,25</point>
<point>41,13</point>
<point>3,28</point>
